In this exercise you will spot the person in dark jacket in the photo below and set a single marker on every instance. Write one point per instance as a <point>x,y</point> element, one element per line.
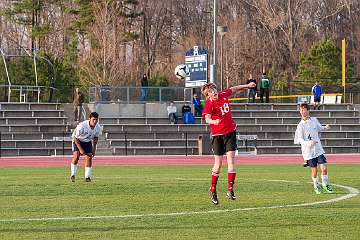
<point>78,102</point>
<point>251,91</point>
<point>144,87</point>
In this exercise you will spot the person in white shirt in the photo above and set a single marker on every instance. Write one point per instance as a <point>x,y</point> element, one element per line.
<point>85,138</point>
<point>171,109</point>
<point>307,135</point>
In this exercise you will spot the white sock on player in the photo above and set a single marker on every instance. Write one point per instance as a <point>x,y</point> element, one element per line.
<point>74,169</point>
<point>315,181</point>
<point>88,172</point>
<point>325,180</point>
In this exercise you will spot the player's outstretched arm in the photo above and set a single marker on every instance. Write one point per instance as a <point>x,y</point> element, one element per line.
<point>327,127</point>
<point>244,86</point>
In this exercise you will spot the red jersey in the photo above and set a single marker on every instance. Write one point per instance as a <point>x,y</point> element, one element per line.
<point>220,109</point>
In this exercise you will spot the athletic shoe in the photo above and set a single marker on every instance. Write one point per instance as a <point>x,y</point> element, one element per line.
<point>72,178</point>
<point>87,179</point>
<point>214,198</point>
<point>231,195</point>
<point>328,189</point>
<point>317,190</point>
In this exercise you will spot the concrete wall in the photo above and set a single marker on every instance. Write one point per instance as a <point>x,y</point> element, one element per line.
<point>123,110</point>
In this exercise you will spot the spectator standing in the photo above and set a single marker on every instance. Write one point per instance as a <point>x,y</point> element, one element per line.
<point>251,91</point>
<point>264,88</point>
<point>197,105</point>
<point>78,102</point>
<point>144,87</point>
<point>316,91</point>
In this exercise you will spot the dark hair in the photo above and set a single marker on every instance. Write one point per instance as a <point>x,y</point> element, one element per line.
<point>304,105</point>
<point>94,115</point>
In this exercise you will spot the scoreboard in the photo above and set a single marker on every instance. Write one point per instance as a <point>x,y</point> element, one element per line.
<point>196,59</point>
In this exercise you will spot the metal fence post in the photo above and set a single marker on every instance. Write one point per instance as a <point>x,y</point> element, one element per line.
<point>160,95</point>
<point>186,144</point>
<point>63,144</point>
<point>125,143</point>
<point>128,95</point>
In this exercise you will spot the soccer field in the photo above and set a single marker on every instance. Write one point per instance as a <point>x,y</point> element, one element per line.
<point>172,202</point>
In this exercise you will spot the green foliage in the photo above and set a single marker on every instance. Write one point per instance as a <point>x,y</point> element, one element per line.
<point>41,31</point>
<point>22,72</point>
<point>65,80</point>
<point>159,80</point>
<point>83,19</point>
<point>83,14</point>
<point>280,86</point>
<point>322,64</point>
<point>26,12</point>
<point>21,11</point>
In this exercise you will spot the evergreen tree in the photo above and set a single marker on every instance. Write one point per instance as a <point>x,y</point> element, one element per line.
<point>322,64</point>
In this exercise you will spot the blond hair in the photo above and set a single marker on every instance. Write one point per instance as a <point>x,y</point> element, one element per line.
<point>207,88</point>
<point>304,105</point>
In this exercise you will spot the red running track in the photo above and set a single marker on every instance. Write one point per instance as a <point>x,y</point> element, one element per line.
<point>170,160</point>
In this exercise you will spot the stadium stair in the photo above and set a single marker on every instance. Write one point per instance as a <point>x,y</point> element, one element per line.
<point>274,124</point>
<point>39,128</point>
<point>29,129</point>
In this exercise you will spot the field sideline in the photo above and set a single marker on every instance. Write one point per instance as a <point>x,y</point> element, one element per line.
<point>130,199</point>
<point>171,160</point>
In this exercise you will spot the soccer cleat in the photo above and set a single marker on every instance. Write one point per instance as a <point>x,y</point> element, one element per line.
<point>214,198</point>
<point>72,178</point>
<point>317,190</point>
<point>231,195</point>
<point>328,189</point>
<point>87,179</point>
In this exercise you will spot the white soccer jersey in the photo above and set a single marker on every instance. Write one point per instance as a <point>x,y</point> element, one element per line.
<point>85,133</point>
<point>309,130</point>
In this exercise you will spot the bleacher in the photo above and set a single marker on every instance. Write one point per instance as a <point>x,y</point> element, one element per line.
<point>151,136</point>
<point>30,128</point>
<point>35,129</point>
<point>274,124</point>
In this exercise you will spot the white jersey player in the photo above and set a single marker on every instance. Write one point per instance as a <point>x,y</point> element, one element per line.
<point>84,141</point>
<point>307,135</point>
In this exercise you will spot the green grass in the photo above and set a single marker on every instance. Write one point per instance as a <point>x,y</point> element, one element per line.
<point>27,193</point>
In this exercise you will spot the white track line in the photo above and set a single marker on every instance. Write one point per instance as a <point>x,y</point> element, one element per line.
<point>352,193</point>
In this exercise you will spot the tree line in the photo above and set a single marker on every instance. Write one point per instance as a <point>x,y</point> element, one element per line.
<point>96,42</point>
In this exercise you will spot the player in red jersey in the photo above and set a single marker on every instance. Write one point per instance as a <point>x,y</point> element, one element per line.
<point>217,113</point>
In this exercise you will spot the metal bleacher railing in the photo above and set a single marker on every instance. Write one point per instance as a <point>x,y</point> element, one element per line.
<point>112,94</point>
<point>25,90</point>
<point>24,93</point>
<point>106,94</point>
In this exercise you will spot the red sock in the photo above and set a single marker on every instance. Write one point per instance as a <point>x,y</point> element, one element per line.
<point>231,180</point>
<point>214,179</point>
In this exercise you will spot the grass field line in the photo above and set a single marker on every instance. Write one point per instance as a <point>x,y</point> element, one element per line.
<point>352,193</point>
<point>167,179</point>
